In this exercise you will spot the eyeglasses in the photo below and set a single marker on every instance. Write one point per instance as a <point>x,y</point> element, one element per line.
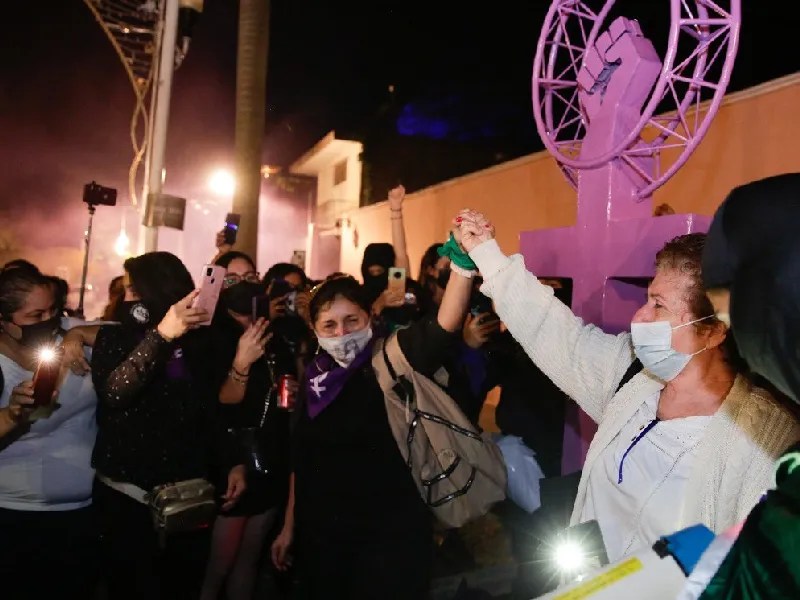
<point>232,279</point>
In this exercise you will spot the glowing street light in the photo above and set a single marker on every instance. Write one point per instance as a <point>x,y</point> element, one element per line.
<point>222,183</point>
<point>122,245</point>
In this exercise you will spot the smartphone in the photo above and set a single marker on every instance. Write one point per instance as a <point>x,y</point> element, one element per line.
<point>210,289</point>
<point>231,228</point>
<point>481,304</point>
<point>397,283</point>
<point>282,288</point>
<point>260,308</point>
<point>46,377</point>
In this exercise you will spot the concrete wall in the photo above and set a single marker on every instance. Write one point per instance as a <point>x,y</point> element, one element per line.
<point>755,134</point>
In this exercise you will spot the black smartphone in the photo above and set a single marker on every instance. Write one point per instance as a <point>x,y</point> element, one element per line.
<point>231,228</point>
<point>260,308</point>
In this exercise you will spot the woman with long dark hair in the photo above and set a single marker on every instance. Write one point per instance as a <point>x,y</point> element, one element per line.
<point>151,376</point>
<point>247,406</point>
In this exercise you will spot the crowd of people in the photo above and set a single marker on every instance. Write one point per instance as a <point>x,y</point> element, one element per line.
<point>273,400</point>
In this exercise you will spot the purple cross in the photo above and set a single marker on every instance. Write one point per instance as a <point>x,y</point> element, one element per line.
<point>615,239</point>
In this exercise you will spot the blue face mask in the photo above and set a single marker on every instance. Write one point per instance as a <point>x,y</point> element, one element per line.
<point>652,343</point>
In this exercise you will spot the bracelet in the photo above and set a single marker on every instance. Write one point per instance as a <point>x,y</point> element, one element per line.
<point>236,379</point>
<point>468,273</point>
<point>239,373</point>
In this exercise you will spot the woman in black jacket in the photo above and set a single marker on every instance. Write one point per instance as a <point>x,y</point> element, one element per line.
<point>151,377</point>
<point>362,529</point>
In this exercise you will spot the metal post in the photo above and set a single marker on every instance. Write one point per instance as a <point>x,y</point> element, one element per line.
<point>87,241</point>
<point>160,115</point>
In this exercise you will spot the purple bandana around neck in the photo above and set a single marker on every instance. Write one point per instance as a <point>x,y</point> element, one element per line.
<point>325,378</point>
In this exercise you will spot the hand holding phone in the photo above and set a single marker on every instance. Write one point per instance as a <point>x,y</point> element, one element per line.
<point>397,286</point>
<point>183,316</point>
<point>231,229</point>
<point>45,378</point>
<point>20,404</point>
<point>210,289</point>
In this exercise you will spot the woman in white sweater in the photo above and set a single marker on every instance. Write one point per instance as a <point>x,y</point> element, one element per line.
<point>686,440</point>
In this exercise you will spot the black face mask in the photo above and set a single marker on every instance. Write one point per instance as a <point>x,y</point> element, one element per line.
<point>133,314</point>
<point>239,298</point>
<point>39,334</point>
<point>444,277</point>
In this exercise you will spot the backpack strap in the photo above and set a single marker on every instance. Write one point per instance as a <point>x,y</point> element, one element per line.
<point>634,369</point>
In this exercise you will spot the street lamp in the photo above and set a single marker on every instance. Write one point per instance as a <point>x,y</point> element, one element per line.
<point>222,183</point>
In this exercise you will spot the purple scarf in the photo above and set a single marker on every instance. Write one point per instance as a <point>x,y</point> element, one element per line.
<point>325,378</point>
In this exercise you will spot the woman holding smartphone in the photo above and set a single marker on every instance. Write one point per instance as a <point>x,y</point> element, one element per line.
<point>248,407</point>
<point>48,537</point>
<point>151,376</point>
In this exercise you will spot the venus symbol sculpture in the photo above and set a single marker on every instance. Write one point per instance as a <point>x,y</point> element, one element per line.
<point>621,121</point>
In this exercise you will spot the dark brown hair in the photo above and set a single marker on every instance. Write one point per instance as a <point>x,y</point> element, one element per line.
<point>685,255</point>
<point>337,286</point>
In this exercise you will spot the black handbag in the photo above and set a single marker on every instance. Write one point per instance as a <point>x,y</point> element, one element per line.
<point>248,441</point>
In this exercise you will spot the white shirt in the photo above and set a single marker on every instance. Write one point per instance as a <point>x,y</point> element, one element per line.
<point>655,473</point>
<point>49,467</point>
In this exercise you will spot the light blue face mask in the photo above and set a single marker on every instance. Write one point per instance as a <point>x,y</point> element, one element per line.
<point>652,343</point>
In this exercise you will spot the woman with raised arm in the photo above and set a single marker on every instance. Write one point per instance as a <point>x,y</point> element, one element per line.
<point>687,439</point>
<point>362,529</point>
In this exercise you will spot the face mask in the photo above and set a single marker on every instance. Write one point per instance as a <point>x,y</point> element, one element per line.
<point>652,343</point>
<point>239,298</point>
<point>40,333</point>
<point>345,348</point>
<point>133,314</point>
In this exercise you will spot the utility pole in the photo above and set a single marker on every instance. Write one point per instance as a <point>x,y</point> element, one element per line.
<point>161,94</point>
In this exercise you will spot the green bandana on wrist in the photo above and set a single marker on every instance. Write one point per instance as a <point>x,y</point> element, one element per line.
<point>457,256</point>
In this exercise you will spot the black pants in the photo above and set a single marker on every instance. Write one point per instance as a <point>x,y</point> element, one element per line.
<point>134,565</point>
<point>385,567</point>
<point>48,554</point>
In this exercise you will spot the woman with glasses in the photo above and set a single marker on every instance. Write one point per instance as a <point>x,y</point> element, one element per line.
<point>248,410</point>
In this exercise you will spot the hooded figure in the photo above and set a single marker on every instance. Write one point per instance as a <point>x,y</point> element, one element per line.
<point>376,280</point>
<point>753,251</point>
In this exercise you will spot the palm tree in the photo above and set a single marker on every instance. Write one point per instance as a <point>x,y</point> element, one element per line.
<point>251,81</point>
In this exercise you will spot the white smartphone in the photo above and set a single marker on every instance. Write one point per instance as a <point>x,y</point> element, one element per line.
<point>210,289</point>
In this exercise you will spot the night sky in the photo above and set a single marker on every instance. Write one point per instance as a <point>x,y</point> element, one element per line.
<point>460,76</point>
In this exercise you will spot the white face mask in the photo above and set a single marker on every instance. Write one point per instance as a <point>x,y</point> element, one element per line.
<point>345,348</point>
<point>652,343</point>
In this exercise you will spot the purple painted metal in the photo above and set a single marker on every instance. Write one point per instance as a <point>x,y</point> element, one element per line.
<point>611,148</point>
<point>702,47</point>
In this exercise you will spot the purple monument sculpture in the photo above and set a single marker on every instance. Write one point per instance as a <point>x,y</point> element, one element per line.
<point>620,122</point>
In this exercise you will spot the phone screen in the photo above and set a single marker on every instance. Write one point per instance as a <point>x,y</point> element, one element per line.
<point>231,228</point>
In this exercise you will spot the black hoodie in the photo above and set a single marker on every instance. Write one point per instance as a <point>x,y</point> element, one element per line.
<point>753,249</point>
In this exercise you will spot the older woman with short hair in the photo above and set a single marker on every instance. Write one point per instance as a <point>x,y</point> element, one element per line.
<point>688,439</point>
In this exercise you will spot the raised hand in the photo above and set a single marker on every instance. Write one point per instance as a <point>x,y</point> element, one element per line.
<point>473,229</point>
<point>618,71</point>
<point>396,197</point>
<point>251,345</point>
<point>182,317</point>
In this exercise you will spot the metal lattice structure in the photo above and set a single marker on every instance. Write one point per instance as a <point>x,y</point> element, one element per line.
<point>132,29</point>
<point>575,58</point>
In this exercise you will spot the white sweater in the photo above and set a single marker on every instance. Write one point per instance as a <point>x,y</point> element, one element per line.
<point>744,438</point>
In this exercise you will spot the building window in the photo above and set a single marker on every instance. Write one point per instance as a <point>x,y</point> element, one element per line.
<point>340,172</point>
